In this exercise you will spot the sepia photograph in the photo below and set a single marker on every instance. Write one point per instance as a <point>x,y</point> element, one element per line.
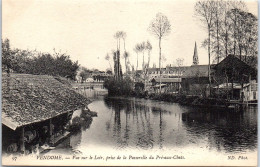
<point>129,82</point>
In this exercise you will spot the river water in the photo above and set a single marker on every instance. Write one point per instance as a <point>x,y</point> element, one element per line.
<point>141,125</point>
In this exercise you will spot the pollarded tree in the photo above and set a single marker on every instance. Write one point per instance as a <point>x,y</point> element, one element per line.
<point>126,56</point>
<point>142,49</point>
<point>160,27</point>
<point>137,49</point>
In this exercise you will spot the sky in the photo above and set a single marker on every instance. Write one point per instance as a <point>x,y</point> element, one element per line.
<point>84,29</point>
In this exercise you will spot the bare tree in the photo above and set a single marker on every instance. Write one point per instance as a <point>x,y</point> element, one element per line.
<point>126,56</point>
<point>204,10</point>
<point>142,49</point>
<point>179,63</point>
<point>217,19</point>
<point>123,36</point>
<point>108,59</point>
<point>149,49</point>
<point>233,14</point>
<point>250,35</point>
<point>137,49</point>
<point>160,27</point>
<point>163,59</point>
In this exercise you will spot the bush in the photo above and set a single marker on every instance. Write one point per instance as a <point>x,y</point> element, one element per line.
<point>120,87</point>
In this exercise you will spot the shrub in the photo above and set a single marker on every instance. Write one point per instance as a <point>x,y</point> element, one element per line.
<point>119,87</point>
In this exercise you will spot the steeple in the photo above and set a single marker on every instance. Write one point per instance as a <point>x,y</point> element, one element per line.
<point>195,56</point>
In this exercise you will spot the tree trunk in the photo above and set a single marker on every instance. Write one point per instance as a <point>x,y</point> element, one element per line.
<point>143,60</point>
<point>226,44</point>
<point>218,40</point>
<point>235,34</point>
<point>148,59</point>
<point>209,61</point>
<point>110,67</point>
<point>137,62</point>
<point>125,66</point>
<point>160,63</point>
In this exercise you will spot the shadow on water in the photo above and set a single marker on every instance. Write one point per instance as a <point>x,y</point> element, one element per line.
<point>227,130</point>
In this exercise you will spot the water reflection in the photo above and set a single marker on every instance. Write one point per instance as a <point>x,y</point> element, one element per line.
<point>147,124</point>
<point>226,131</point>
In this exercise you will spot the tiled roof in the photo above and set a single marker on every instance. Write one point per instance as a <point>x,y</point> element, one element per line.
<point>196,71</point>
<point>29,98</point>
<point>167,80</point>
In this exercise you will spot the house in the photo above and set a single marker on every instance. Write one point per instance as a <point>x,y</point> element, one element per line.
<point>167,84</point>
<point>232,69</point>
<point>195,80</point>
<point>35,110</point>
<point>244,92</point>
<point>236,79</point>
<point>168,72</point>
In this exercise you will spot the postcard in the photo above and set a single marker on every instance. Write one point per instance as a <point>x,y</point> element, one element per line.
<point>129,83</point>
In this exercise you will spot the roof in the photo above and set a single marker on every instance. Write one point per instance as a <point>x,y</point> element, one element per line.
<point>155,69</point>
<point>167,80</point>
<point>173,68</point>
<point>229,86</point>
<point>232,62</point>
<point>196,71</point>
<point>158,85</point>
<point>249,60</point>
<point>29,99</point>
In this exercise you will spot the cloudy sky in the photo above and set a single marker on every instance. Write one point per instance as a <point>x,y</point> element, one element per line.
<point>84,29</point>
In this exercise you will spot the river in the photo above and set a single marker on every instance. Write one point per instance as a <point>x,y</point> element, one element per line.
<point>141,125</point>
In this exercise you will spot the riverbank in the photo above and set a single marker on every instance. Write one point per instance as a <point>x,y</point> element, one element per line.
<point>188,100</point>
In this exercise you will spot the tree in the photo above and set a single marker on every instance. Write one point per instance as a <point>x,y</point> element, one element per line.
<point>179,63</point>
<point>204,10</point>
<point>108,59</point>
<point>160,27</point>
<point>149,49</point>
<point>249,40</point>
<point>233,14</point>
<point>109,71</point>
<point>84,74</point>
<point>126,56</point>
<point>137,49</point>
<point>225,26</point>
<point>7,58</point>
<point>217,19</point>
<point>142,49</point>
<point>33,62</point>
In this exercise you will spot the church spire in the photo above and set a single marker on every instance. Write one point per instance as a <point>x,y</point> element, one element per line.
<point>195,56</point>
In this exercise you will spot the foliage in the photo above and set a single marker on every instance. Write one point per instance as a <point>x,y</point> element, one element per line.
<point>33,62</point>
<point>139,87</point>
<point>119,87</point>
<point>84,74</point>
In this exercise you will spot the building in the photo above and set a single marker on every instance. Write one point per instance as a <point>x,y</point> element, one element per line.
<point>169,85</point>
<point>195,80</point>
<point>167,72</point>
<point>35,110</point>
<point>236,79</point>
